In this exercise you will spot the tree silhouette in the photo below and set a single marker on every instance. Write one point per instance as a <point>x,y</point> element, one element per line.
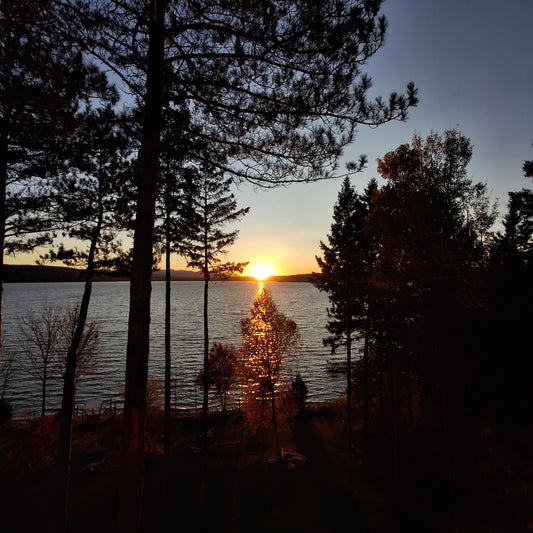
<point>270,340</point>
<point>40,337</point>
<point>278,86</point>
<point>345,269</point>
<point>430,223</point>
<point>91,208</point>
<point>508,322</point>
<point>215,207</point>
<point>175,212</point>
<point>223,371</point>
<point>44,80</point>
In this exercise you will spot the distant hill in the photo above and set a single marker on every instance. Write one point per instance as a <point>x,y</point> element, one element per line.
<point>177,275</point>
<point>39,274</point>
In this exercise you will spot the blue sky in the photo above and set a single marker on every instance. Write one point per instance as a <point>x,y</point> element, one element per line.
<point>471,61</point>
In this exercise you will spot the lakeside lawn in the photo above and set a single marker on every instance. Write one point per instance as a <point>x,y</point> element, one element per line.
<point>247,490</point>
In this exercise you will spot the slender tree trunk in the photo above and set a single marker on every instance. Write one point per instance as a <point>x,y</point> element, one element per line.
<point>4,148</point>
<point>349,398</point>
<point>205,402</point>
<point>275,424</point>
<point>69,383</point>
<point>43,399</point>
<point>167,325</point>
<point>395,422</point>
<point>131,480</point>
<point>366,416</point>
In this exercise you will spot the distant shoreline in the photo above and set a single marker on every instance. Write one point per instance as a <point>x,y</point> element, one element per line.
<point>44,274</point>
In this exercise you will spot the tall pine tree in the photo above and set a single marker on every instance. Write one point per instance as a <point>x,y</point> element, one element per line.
<point>215,208</point>
<point>344,273</point>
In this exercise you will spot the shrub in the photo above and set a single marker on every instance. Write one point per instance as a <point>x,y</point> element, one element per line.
<point>6,411</point>
<point>37,449</point>
<point>299,390</point>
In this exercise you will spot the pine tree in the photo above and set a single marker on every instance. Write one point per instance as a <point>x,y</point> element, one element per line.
<point>88,204</point>
<point>345,268</point>
<point>43,82</point>
<point>215,207</point>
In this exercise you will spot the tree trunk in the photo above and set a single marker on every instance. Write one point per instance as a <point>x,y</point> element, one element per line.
<point>43,399</point>
<point>275,424</point>
<point>69,383</point>
<point>167,326</point>
<point>4,147</point>
<point>205,402</point>
<point>131,480</point>
<point>349,396</point>
<point>366,416</point>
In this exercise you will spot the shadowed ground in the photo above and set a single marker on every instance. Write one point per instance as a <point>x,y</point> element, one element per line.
<point>237,486</point>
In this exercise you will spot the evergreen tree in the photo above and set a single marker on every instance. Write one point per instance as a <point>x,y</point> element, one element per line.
<point>345,268</point>
<point>176,216</point>
<point>215,207</point>
<point>43,82</point>
<point>510,301</point>
<point>89,198</point>
<point>430,223</point>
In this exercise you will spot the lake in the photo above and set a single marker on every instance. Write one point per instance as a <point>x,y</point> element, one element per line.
<point>230,301</point>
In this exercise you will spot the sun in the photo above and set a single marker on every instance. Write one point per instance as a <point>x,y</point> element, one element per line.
<point>261,271</point>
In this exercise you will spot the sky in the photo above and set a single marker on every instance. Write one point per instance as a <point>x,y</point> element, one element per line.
<point>471,62</point>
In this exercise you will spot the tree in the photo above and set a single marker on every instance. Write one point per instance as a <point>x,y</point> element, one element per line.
<point>175,210</point>
<point>345,268</point>
<point>510,296</point>
<point>223,371</point>
<point>43,80</point>
<point>270,340</point>
<point>7,368</point>
<point>430,223</point>
<point>88,348</point>
<point>277,86</point>
<point>215,207</point>
<point>91,206</point>
<point>39,333</point>
<point>299,390</point>
<point>45,337</point>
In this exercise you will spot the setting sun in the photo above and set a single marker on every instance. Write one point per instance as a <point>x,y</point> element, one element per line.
<point>261,271</point>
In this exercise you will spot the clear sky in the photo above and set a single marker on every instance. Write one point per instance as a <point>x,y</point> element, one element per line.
<point>472,63</point>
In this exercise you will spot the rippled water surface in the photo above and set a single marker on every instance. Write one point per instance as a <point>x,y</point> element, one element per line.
<point>229,302</point>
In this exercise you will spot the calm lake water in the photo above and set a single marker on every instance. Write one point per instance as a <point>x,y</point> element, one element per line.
<point>229,303</point>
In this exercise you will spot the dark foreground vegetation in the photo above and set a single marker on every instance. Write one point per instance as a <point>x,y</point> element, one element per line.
<point>486,485</point>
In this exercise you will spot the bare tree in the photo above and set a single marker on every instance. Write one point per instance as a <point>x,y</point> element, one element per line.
<point>7,369</point>
<point>46,336</point>
<point>40,341</point>
<point>89,345</point>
